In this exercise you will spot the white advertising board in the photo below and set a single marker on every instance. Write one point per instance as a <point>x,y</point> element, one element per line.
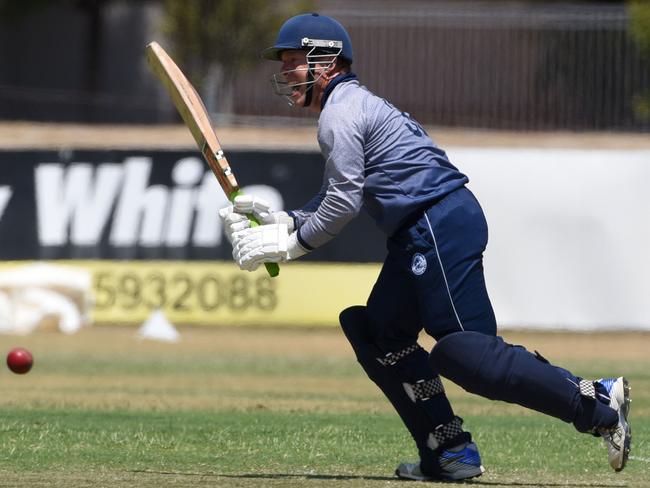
<point>569,235</point>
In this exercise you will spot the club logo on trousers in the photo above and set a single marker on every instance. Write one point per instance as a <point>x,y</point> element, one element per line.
<point>418,264</point>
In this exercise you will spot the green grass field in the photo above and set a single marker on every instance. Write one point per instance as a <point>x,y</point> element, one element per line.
<point>276,407</point>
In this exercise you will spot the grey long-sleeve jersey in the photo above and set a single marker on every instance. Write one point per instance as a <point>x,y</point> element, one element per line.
<point>377,158</point>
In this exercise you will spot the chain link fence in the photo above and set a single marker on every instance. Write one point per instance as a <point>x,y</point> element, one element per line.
<point>487,65</point>
<point>495,65</point>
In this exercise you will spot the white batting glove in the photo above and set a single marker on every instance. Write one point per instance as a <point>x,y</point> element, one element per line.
<point>258,207</point>
<point>265,244</point>
<point>233,222</point>
<point>235,216</point>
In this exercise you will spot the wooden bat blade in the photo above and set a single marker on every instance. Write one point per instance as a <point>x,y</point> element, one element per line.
<point>191,108</point>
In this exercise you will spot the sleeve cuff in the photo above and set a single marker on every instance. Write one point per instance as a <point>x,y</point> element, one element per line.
<point>302,242</point>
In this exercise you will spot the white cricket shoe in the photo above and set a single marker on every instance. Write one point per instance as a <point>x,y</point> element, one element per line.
<point>459,463</point>
<point>618,439</point>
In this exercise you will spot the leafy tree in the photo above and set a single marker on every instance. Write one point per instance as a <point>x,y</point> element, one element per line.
<point>640,30</point>
<point>215,40</point>
<point>640,24</point>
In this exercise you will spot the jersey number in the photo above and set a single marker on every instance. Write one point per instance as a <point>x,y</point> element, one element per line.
<point>411,124</point>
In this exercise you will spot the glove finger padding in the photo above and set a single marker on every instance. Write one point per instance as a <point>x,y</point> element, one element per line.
<point>237,220</point>
<point>234,222</point>
<point>265,243</point>
<point>225,211</point>
<point>255,263</point>
<point>261,209</point>
<point>249,204</point>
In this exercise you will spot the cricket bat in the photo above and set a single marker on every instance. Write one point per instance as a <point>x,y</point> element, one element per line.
<point>191,108</point>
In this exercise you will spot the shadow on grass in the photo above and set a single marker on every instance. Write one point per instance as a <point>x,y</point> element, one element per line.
<point>345,477</point>
<point>271,476</point>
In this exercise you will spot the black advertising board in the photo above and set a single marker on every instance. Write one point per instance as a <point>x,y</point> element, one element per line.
<point>143,205</point>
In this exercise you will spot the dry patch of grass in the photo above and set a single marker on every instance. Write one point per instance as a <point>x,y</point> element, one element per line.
<point>258,368</point>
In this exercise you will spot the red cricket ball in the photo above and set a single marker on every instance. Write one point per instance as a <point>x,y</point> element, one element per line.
<point>20,360</point>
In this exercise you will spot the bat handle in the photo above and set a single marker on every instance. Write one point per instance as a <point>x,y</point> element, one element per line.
<point>271,268</point>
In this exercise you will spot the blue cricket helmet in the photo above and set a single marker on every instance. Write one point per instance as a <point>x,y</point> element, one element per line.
<point>297,31</point>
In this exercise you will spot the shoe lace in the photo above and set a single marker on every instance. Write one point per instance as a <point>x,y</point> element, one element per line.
<point>614,436</point>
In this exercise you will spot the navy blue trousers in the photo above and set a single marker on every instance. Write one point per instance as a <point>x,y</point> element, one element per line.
<point>432,277</point>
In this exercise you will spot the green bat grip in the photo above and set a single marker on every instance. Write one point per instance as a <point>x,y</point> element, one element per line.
<point>271,268</point>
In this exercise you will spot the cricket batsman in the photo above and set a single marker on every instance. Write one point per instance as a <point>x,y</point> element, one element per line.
<point>379,159</point>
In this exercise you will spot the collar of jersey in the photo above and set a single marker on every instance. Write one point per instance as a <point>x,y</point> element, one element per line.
<point>342,78</point>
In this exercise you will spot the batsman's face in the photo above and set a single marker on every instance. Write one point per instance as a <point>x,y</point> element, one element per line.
<point>294,70</point>
<point>294,80</point>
